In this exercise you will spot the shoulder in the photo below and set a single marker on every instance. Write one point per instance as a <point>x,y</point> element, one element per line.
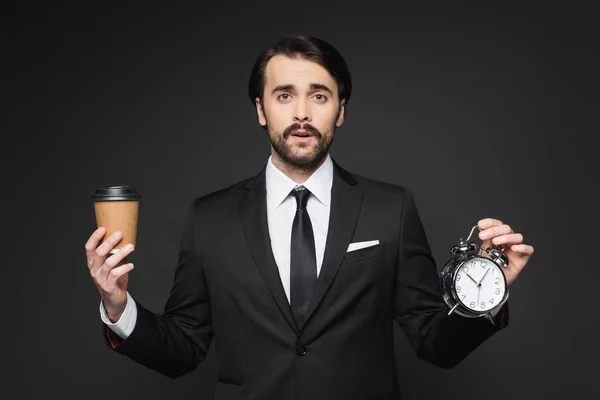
<point>220,199</point>
<point>376,187</point>
<point>381,194</point>
<point>394,200</point>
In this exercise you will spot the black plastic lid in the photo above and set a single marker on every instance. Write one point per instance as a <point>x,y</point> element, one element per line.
<point>125,192</point>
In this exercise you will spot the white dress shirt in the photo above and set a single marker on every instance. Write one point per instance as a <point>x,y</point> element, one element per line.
<point>281,209</point>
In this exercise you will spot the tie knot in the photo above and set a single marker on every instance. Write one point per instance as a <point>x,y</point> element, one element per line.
<point>302,194</point>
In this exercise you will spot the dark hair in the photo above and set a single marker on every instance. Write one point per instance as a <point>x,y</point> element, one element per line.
<point>309,48</point>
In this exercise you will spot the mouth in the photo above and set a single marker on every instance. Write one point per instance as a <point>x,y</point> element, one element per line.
<point>301,133</point>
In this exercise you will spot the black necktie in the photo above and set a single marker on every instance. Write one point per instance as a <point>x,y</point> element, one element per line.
<point>303,261</point>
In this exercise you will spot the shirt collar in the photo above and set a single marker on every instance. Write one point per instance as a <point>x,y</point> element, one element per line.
<point>279,185</point>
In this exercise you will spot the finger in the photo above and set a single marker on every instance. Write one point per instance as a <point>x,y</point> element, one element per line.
<point>116,258</point>
<point>92,243</point>
<point>513,238</point>
<point>524,249</point>
<point>495,231</point>
<point>488,223</point>
<point>109,244</point>
<point>111,281</point>
<point>113,261</point>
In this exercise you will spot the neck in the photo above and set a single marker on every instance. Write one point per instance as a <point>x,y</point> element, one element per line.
<point>295,173</point>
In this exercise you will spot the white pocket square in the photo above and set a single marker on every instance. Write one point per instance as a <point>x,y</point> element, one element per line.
<point>361,245</point>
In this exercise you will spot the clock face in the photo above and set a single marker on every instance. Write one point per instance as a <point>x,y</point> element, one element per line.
<point>480,284</point>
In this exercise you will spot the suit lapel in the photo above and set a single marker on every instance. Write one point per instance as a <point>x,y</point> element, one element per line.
<point>346,200</point>
<point>253,211</point>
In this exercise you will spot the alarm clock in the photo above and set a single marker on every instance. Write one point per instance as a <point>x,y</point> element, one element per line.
<point>472,283</point>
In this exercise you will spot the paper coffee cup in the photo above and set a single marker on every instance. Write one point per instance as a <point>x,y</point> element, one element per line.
<point>116,209</point>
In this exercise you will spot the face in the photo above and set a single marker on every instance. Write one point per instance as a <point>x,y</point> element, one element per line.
<point>300,109</point>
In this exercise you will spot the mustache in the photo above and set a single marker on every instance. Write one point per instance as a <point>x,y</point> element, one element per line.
<point>307,127</point>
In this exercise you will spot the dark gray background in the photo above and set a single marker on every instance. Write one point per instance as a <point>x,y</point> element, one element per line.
<point>479,111</point>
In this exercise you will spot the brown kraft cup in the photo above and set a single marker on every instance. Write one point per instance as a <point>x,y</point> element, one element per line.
<point>116,209</point>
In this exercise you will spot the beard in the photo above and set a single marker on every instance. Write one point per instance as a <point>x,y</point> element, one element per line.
<point>303,160</point>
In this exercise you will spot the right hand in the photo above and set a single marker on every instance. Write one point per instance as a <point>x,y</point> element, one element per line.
<point>110,274</point>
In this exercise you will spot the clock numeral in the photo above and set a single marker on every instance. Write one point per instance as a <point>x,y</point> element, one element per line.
<point>497,280</point>
<point>497,290</point>
<point>458,289</point>
<point>491,300</point>
<point>483,265</point>
<point>472,304</point>
<point>464,295</point>
<point>458,277</point>
<point>483,304</point>
<point>466,269</point>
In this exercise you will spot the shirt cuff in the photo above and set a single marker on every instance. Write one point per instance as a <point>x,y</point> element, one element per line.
<point>124,326</point>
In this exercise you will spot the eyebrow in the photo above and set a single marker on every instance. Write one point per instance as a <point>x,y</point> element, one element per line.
<point>313,86</point>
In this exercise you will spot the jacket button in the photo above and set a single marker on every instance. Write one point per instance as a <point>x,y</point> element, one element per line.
<point>300,350</point>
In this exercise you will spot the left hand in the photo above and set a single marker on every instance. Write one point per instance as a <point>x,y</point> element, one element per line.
<point>495,233</point>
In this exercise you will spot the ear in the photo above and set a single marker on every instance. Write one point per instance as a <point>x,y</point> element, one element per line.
<point>340,118</point>
<point>261,113</point>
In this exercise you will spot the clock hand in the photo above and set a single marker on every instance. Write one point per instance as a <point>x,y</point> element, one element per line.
<point>474,281</point>
<point>479,283</point>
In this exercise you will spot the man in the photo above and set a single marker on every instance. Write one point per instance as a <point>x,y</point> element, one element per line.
<point>299,271</point>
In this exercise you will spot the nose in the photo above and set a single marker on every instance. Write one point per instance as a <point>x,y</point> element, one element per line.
<point>301,111</point>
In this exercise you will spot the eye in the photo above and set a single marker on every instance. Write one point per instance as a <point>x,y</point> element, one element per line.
<point>320,97</point>
<point>284,96</point>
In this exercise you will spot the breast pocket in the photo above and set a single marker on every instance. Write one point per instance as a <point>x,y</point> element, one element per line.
<point>364,254</point>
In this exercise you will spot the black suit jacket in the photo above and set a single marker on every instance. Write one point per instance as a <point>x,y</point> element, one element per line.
<point>227,287</point>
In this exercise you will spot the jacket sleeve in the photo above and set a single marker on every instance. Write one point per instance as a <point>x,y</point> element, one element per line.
<point>439,338</point>
<point>176,341</point>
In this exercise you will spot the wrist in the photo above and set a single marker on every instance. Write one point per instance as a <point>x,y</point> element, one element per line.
<point>113,313</point>
<point>114,318</point>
